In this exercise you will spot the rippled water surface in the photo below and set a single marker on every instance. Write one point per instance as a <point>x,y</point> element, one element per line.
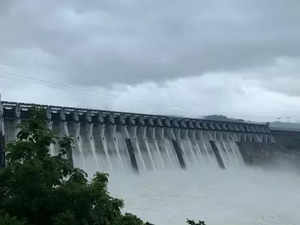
<point>164,194</point>
<point>239,196</point>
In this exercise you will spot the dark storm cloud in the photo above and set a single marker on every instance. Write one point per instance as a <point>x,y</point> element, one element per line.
<point>132,41</point>
<point>234,57</point>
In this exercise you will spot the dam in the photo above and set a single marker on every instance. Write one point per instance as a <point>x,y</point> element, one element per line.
<point>109,140</point>
<point>167,168</point>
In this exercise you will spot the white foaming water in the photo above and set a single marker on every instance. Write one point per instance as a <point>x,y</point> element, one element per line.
<point>236,196</point>
<point>168,195</point>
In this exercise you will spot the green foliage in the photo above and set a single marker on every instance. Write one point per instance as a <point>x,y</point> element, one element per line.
<point>45,189</point>
<point>5,219</point>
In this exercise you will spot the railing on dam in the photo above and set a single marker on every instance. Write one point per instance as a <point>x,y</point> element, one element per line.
<point>141,139</point>
<point>14,110</point>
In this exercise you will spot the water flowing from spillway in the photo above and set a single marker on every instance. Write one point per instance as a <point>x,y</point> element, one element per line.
<point>166,175</point>
<point>180,176</point>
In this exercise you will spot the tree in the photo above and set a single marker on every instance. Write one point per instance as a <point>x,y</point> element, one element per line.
<point>38,188</point>
<point>5,219</point>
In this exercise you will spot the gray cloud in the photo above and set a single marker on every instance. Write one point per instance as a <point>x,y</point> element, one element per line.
<point>175,57</point>
<point>218,93</point>
<point>104,42</point>
<point>282,76</point>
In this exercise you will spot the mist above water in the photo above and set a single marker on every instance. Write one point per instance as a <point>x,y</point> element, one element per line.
<point>165,194</point>
<point>236,196</point>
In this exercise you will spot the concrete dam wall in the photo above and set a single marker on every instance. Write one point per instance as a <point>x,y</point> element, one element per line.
<point>109,140</point>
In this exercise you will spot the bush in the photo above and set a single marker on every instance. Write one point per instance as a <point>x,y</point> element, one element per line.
<point>5,219</point>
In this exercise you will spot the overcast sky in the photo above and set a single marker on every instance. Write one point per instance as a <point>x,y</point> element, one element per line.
<point>191,58</point>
